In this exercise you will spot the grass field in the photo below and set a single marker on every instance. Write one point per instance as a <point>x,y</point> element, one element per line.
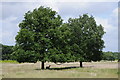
<point>8,61</point>
<point>66,70</point>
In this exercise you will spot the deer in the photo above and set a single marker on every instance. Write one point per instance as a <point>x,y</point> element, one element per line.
<point>48,67</point>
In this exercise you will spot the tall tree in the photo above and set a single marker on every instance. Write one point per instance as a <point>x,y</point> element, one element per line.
<point>35,34</point>
<point>86,38</point>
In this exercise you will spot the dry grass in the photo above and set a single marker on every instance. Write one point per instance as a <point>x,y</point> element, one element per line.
<point>90,70</point>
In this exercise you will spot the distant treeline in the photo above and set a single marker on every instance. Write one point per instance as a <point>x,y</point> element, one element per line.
<point>8,50</point>
<point>111,56</point>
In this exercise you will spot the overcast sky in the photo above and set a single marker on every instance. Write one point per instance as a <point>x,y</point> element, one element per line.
<point>105,13</point>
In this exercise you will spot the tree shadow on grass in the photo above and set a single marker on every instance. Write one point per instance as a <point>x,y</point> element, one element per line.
<point>64,68</point>
<point>60,68</point>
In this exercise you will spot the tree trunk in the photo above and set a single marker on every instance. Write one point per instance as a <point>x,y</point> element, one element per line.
<point>42,65</point>
<point>81,64</point>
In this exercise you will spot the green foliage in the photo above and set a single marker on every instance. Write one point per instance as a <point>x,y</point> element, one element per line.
<point>86,40</point>
<point>60,51</point>
<point>44,37</point>
<point>6,52</point>
<point>25,56</point>
<point>8,61</point>
<point>110,56</point>
<point>36,34</point>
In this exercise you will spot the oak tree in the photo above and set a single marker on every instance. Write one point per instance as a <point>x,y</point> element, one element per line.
<point>34,38</point>
<point>87,43</point>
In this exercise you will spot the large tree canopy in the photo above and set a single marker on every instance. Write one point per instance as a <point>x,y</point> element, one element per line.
<point>44,37</point>
<point>35,34</point>
<point>87,43</point>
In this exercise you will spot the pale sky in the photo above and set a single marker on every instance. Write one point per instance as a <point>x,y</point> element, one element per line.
<point>105,13</point>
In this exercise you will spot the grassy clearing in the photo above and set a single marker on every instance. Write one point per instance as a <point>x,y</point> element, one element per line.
<point>90,70</point>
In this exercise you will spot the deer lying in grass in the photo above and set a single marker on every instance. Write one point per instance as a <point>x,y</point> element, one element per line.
<point>48,67</point>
